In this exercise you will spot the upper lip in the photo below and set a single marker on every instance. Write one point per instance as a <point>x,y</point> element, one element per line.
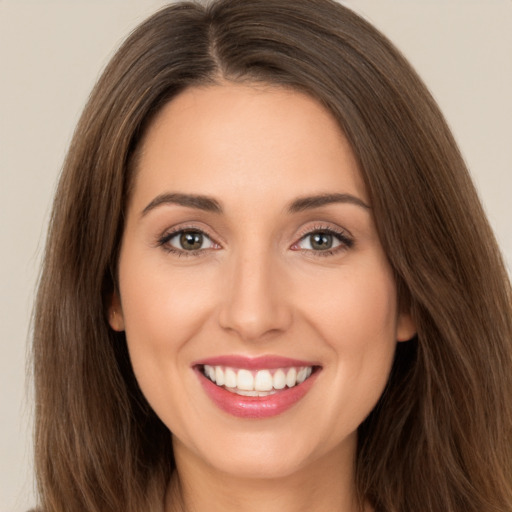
<point>254,363</point>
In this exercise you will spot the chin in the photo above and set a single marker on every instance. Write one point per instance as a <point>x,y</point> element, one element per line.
<point>267,466</point>
<point>276,454</point>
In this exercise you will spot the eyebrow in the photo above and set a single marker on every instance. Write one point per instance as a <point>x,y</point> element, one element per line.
<point>208,204</point>
<point>198,202</point>
<point>317,201</point>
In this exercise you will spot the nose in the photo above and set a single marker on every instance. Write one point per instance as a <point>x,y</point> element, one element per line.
<point>255,303</point>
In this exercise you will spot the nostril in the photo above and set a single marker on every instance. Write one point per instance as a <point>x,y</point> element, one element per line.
<point>255,322</point>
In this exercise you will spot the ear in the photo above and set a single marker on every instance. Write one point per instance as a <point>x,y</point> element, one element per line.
<point>115,313</point>
<point>405,327</point>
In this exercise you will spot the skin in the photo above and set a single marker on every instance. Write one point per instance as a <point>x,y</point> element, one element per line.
<point>256,287</point>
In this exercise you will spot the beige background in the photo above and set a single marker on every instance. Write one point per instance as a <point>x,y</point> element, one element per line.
<point>51,52</point>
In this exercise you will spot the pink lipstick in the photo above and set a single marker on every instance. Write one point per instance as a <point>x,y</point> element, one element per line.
<point>259,387</point>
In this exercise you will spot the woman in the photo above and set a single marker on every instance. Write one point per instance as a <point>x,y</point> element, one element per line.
<point>269,281</point>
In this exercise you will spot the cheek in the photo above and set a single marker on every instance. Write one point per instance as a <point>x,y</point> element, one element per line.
<point>162,311</point>
<point>161,305</point>
<point>356,316</point>
<point>356,308</point>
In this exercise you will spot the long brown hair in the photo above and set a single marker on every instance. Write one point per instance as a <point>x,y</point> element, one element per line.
<point>440,438</point>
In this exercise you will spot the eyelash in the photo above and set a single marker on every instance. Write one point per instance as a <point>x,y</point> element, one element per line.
<point>342,236</point>
<point>164,240</point>
<point>346,241</point>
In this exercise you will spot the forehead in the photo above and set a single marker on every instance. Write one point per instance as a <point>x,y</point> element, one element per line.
<point>246,139</point>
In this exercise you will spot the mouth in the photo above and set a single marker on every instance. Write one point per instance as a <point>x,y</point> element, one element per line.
<point>259,383</point>
<point>256,388</point>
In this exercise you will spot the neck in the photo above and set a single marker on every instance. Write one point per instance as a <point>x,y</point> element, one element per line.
<point>325,485</point>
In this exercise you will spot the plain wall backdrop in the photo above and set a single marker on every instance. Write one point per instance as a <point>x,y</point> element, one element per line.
<point>51,53</point>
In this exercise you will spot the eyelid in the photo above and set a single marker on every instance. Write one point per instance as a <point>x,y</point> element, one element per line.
<point>163,239</point>
<point>309,228</point>
<point>342,235</point>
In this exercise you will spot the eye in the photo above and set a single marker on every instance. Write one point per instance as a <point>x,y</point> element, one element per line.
<point>187,240</point>
<point>319,242</point>
<point>325,241</point>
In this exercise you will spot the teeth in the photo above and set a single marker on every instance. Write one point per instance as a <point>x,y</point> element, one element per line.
<point>250,393</point>
<point>210,373</point>
<point>256,383</point>
<point>219,376</point>
<point>263,381</point>
<point>230,378</point>
<point>302,375</point>
<point>291,377</point>
<point>279,379</point>
<point>244,380</point>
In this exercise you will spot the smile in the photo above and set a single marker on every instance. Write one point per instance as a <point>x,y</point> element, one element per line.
<point>255,387</point>
<point>256,383</point>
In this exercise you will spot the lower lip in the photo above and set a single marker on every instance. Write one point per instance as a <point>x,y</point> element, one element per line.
<point>255,406</point>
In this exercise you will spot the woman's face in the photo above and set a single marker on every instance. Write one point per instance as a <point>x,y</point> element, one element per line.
<point>250,258</point>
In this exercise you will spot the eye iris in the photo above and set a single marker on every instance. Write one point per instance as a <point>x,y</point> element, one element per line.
<point>321,241</point>
<point>191,240</point>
